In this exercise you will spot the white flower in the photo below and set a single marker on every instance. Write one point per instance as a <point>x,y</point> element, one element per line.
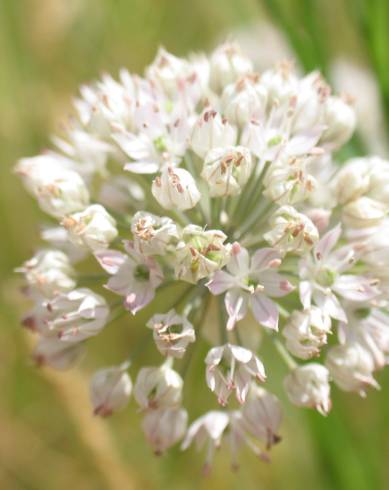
<point>199,253</point>
<point>57,353</point>
<point>249,282</point>
<point>58,189</point>
<point>164,428</point>
<point>172,333</point>
<point>306,332</point>
<point>153,234</point>
<point>322,277</point>
<point>175,188</point>
<point>158,387</point>
<point>364,212</point>
<point>110,389</point>
<point>244,100</point>
<point>49,272</point>
<point>280,82</point>
<point>351,367</point>
<point>262,415</point>
<point>167,70</point>
<point>340,119</point>
<point>308,386</point>
<point>211,131</point>
<point>287,180</point>
<point>158,144</point>
<point>291,231</point>
<point>353,179</point>
<point>58,238</point>
<point>207,430</point>
<point>93,228</point>
<point>202,250</point>
<point>227,64</point>
<point>227,170</point>
<point>87,152</point>
<point>133,276</point>
<point>231,368</point>
<point>77,315</point>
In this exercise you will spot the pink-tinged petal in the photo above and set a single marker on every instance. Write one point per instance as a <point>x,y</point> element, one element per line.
<point>330,305</point>
<point>265,311</point>
<point>214,356</point>
<point>120,282</point>
<point>275,284</point>
<point>110,260</point>
<point>242,383</point>
<point>210,379</point>
<point>240,353</point>
<point>236,302</point>
<point>239,262</point>
<point>342,259</point>
<point>217,424</point>
<point>305,290</point>
<point>264,258</point>
<point>257,367</point>
<point>136,147</point>
<point>138,299</point>
<point>304,142</point>
<point>355,288</point>
<point>327,243</point>
<point>220,282</point>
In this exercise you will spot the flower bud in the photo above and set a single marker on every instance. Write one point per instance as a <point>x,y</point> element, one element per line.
<point>175,188</point>
<point>306,332</point>
<point>231,368</point>
<point>158,387</point>
<point>291,231</point>
<point>58,189</point>
<point>227,170</point>
<point>49,272</point>
<point>351,366</point>
<point>262,415</point>
<point>340,119</point>
<point>110,389</point>
<point>167,70</point>
<point>93,228</point>
<point>227,64</point>
<point>78,315</point>
<point>308,386</point>
<point>211,131</point>
<point>164,427</point>
<point>199,253</point>
<point>172,333</point>
<point>281,84</point>
<point>244,100</point>
<point>352,181</point>
<point>364,212</point>
<point>153,234</point>
<point>57,353</point>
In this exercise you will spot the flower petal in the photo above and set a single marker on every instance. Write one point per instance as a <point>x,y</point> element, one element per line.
<point>265,311</point>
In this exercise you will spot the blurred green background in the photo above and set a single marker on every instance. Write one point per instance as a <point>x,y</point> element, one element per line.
<point>48,437</point>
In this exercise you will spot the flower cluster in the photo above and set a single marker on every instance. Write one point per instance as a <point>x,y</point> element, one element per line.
<point>207,179</point>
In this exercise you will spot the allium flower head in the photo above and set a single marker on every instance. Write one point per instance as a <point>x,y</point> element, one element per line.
<point>203,178</point>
